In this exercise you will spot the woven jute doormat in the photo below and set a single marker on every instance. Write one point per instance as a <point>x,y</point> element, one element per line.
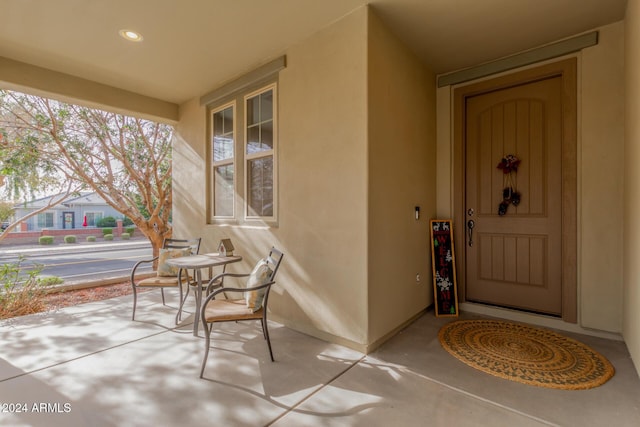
<point>525,354</point>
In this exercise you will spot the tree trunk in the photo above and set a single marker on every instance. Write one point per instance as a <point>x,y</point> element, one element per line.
<point>155,235</point>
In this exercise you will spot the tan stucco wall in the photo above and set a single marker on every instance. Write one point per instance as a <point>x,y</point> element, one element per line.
<point>631,319</point>
<point>600,172</point>
<point>189,174</point>
<point>356,155</point>
<point>323,188</point>
<point>401,129</point>
<point>322,160</point>
<point>600,177</point>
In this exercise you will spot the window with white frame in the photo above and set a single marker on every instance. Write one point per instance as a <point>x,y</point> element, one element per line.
<point>45,220</point>
<point>243,156</point>
<point>259,154</point>
<point>223,141</point>
<point>93,218</point>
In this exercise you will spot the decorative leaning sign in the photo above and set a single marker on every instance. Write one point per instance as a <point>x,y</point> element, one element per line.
<point>443,263</point>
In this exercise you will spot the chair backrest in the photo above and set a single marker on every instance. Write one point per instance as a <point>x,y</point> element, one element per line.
<point>194,244</point>
<point>273,261</point>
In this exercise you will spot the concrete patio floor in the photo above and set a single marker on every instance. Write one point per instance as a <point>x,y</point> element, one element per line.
<point>90,365</point>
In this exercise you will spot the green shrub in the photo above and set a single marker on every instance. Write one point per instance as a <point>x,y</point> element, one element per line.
<point>21,290</point>
<point>46,240</point>
<point>129,230</point>
<point>125,236</point>
<point>69,239</point>
<point>107,221</point>
<point>108,237</point>
<point>91,238</point>
<point>127,222</point>
<point>106,231</point>
<point>50,281</point>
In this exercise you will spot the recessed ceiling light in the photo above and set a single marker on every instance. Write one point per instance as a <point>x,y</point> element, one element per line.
<point>131,35</point>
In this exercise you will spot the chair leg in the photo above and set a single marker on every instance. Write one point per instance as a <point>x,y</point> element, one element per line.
<point>263,330</point>
<point>207,341</point>
<point>182,301</point>
<point>179,313</point>
<point>135,300</point>
<point>162,293</point>
<point>266,335</point>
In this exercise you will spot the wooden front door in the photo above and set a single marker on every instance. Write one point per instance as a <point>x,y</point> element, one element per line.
<point>513,223</point>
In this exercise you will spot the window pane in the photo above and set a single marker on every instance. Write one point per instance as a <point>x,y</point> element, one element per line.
<point>228,119</point>
<point>253,110</point>
<point>260,122</point>
<point>45,220</point>
<point>222,148</point>
<point>253,139</point>
<point>266,106</point>
<point>266,135</point>
<point>223,136</point>
<point>93,218</point>
<point>218,123</point>
<point>223,121</point>
<point>261,187</point>
<point>260,108</point>
<point>223,201</point>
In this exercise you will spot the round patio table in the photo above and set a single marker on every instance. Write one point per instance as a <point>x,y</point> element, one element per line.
<point>197,263</point>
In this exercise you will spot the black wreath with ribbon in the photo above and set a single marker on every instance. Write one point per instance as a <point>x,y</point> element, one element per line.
<point>509,165</point>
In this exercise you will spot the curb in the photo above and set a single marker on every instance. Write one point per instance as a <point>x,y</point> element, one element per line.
<point>74,286</point>
<point>71,247</point>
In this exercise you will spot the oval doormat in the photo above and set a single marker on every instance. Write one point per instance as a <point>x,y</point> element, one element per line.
<point>525,354</point>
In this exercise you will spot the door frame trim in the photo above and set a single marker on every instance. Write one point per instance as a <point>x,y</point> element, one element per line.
<point>567,70</point>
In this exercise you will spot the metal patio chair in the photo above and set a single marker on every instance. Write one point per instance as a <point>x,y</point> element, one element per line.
<point>253,305</point>
<point>166,276</point>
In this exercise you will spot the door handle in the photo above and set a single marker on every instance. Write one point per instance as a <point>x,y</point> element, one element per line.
<point>470,224</point>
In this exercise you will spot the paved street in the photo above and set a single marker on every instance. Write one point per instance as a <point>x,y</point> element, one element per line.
<point>82,263</point>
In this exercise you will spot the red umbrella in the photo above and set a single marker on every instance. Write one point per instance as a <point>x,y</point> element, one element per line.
<point>84,223</point>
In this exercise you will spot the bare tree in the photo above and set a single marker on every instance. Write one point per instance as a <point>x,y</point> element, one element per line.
<point>126,160</point>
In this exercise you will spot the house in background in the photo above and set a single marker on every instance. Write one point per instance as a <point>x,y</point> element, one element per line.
<point>70,214</point>
<point>320,130</point>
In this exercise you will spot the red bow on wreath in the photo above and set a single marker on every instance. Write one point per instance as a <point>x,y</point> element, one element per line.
<point>509,164</point>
